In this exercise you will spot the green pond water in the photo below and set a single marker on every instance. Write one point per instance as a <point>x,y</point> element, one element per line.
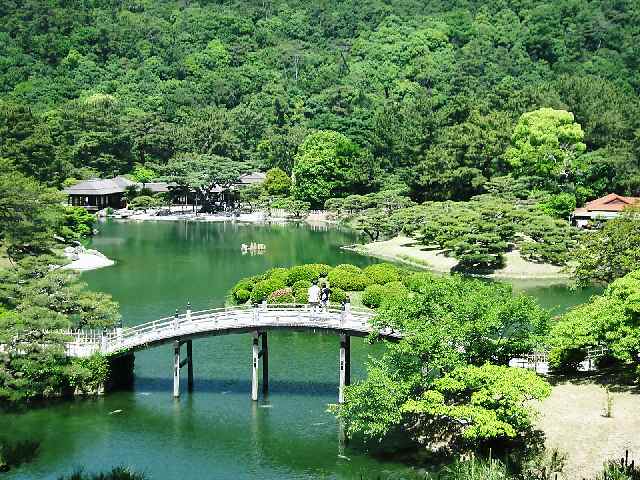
<point>216,431</point>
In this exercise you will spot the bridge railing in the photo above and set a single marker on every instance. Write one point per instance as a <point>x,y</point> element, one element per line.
<point>89,341</point>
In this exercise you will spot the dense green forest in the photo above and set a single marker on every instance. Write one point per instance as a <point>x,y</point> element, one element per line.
<point>425,93</point>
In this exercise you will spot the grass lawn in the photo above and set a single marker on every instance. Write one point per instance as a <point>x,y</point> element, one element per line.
<point>573,421</point>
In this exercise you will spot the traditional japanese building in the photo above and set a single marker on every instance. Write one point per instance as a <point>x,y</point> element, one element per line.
<point>95,194</point>
<point>605,208</point>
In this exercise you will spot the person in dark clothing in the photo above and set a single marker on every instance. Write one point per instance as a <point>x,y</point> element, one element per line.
<point>325,294</point>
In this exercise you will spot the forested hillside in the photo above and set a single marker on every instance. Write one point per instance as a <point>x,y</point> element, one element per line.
<point>429,91</point>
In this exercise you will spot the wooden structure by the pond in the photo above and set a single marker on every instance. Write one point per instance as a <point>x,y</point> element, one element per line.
<point>181,329</point>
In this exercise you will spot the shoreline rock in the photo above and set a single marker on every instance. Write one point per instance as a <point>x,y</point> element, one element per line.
<point>83,259</point>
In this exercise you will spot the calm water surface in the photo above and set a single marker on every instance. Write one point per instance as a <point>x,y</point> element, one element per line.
<point>216,432</point>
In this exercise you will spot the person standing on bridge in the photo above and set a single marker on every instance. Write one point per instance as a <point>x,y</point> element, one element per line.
<point>314,295</point>
<point>325,293</point>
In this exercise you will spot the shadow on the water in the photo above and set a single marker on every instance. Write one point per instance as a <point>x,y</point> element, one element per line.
<point>220,385</point>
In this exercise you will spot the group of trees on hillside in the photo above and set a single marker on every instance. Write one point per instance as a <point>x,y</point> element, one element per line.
<point>39,299</point>
<point>442,96</point>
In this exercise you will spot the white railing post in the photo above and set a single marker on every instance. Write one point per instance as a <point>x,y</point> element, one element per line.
<point>188,311</point>
<point>175,320</point>
<point>103,341</point>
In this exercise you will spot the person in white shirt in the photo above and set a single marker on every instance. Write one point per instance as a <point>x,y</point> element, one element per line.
<point>314,295</point>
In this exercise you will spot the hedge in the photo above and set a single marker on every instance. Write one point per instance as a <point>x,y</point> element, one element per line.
<point>349,279</point>
<point>264,288</point>
<point>302,272</point>
<point>382,273</point>
<point>283,295</point>
<point>241,296</point>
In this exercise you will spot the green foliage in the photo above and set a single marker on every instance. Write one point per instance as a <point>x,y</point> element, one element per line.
<point>264,288</point>
<point>277,182</point>
<point>88,375</point>
<point>321,269</point>
<point>283,295</point>
<point>373,296</point>
<point>76,223</point>
<point>302,272</point>
<point>297,208</point>
<point>337,295</point>
<point>546,143</point>
<point>561,205</point>
<point>144,202</point>
<point>281,274</point>
<point>241,296</point>
<point>382,273</point>
<point>329,164</point>
<point>142,174</point>
<point>118,473</point>
<point>204,173</point>
<point>29,213</point>
<point>610,252</point>
<point>14,454</point>
<point>348,278</point>
<point>609,320</point>
<point>426,95</point>
<point>447,379</point>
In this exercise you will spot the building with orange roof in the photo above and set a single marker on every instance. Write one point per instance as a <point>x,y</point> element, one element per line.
<point>605,208</point>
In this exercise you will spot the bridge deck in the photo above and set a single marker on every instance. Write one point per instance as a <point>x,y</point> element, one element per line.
<point>222,321</point>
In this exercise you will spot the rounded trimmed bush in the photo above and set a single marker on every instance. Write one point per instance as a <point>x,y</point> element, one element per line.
<point>301,272</point>
<point>301,295</point>
<point>373,296</point>
<point>244,284</point>
<point>283,295</point>
<point>241,296</point>
<point>349,268</point>
<point>382,273</point>
<point>301,284</point>
<point>349,278</point>
<point>265,288</point>
<point>321,269</point>
<point>278,274</point>
<point>337,295</point>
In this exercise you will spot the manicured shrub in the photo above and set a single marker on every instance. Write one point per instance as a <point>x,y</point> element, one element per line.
<point>416,280</point>
<point>373,296</point>
<point>349,268</point>
<point>301,272</point>
<point>283,295</point>
<point>278,274</point>
<point>245,284</point>
<point>321,269</point>
<point>337,295</point>
<point>301,295</point>
<point>382,273</point>
<point>241,296</point>
<point>349,278</point>
<point>265,288</point>
<point>301,285</point>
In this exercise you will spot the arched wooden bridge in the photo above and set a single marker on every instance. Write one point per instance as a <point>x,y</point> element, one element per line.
<point>180,329</point>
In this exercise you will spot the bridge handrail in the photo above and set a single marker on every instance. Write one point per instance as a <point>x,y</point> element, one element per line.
<point>171,320</point>
<point>242,316</point>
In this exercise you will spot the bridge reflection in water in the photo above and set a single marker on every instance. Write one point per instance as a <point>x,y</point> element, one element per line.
<point>180,329</point>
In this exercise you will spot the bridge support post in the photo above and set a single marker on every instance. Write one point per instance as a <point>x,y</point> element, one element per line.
<point>254,367</point>
<point>345,365</point>
<point>190,365</point>
<point>265,363</point>
<point>176,369</point>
